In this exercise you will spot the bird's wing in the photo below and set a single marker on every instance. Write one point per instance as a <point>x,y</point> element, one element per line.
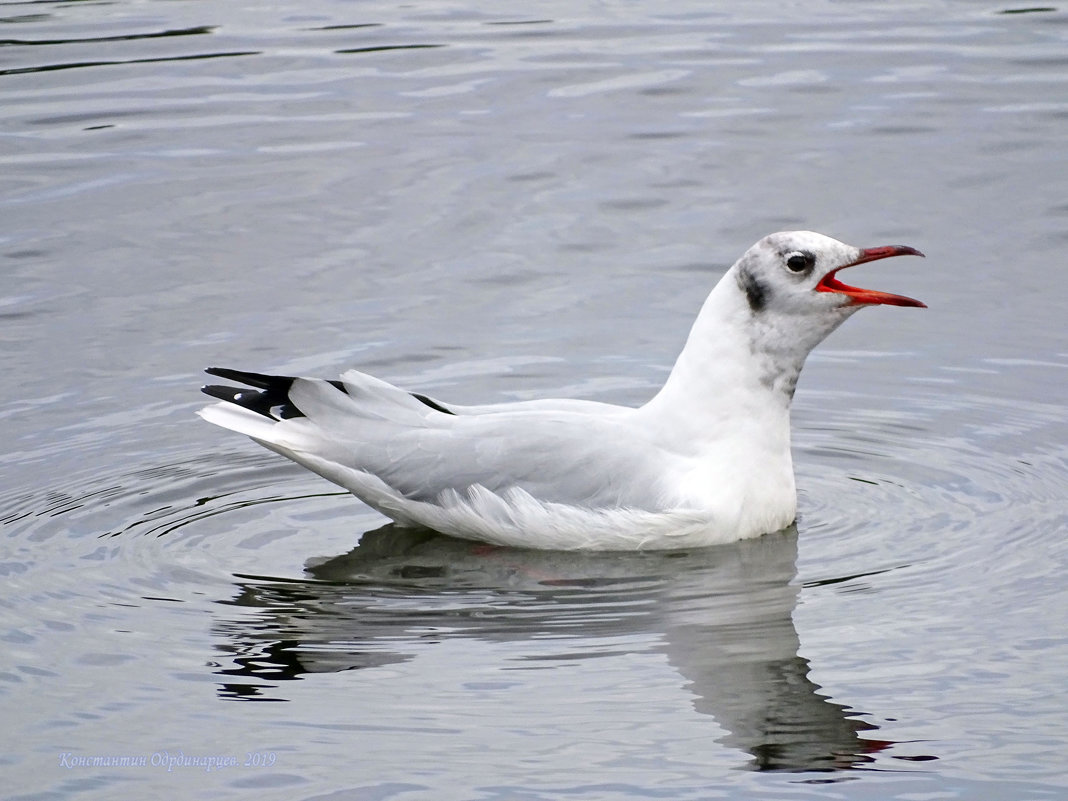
<point>580,453</point>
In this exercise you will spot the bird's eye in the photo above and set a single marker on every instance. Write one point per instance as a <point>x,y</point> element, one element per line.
<point>800,262</point>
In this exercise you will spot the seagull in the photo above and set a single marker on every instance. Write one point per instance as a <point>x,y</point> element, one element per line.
<point>705,461</point>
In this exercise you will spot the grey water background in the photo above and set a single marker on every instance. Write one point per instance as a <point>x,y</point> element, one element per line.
<point>504,201</point>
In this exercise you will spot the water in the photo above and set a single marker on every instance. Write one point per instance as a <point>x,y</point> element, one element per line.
<point>505,202</point>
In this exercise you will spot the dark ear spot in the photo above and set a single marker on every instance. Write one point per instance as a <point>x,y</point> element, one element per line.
<point>755,292</point>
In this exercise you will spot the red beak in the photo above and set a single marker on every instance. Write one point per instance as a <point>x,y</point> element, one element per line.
<point>829,283</point>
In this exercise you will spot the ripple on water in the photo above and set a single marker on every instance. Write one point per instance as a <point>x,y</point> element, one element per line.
<point>907,494</point>
<point>164,532</point>
<point>174,533</point>
<point>935,482</point>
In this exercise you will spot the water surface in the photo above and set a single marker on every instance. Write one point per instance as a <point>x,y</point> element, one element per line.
<point>504,203</point>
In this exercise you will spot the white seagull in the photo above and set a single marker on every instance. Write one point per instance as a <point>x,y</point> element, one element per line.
<point>705,461</point>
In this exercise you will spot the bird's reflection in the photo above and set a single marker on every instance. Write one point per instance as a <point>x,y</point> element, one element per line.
<point>722,616</point>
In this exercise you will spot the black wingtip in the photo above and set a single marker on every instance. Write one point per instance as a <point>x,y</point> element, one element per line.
<point>270,396</point>
<point>433,404</point>
<point>258,380</point>
<point>232,394</point>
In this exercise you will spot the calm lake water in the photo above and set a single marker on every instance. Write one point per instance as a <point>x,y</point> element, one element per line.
<point>506,201</point>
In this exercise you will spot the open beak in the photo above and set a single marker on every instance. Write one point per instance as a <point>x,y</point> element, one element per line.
<point>829,283</point>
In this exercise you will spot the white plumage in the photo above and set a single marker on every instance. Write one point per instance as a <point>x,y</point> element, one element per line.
<point>705,461</point>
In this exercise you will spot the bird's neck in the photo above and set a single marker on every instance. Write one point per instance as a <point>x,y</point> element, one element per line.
<point>735,376</point>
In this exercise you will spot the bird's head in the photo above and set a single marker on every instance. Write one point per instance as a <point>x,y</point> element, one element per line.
<point>790,294</point>
<point>764,317</point>
<point>794,274</point>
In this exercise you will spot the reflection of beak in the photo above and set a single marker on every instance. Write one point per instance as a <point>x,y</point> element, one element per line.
<point>829,283</point>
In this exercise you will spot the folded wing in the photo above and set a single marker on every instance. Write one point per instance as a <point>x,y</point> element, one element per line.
<point>350,431</point>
